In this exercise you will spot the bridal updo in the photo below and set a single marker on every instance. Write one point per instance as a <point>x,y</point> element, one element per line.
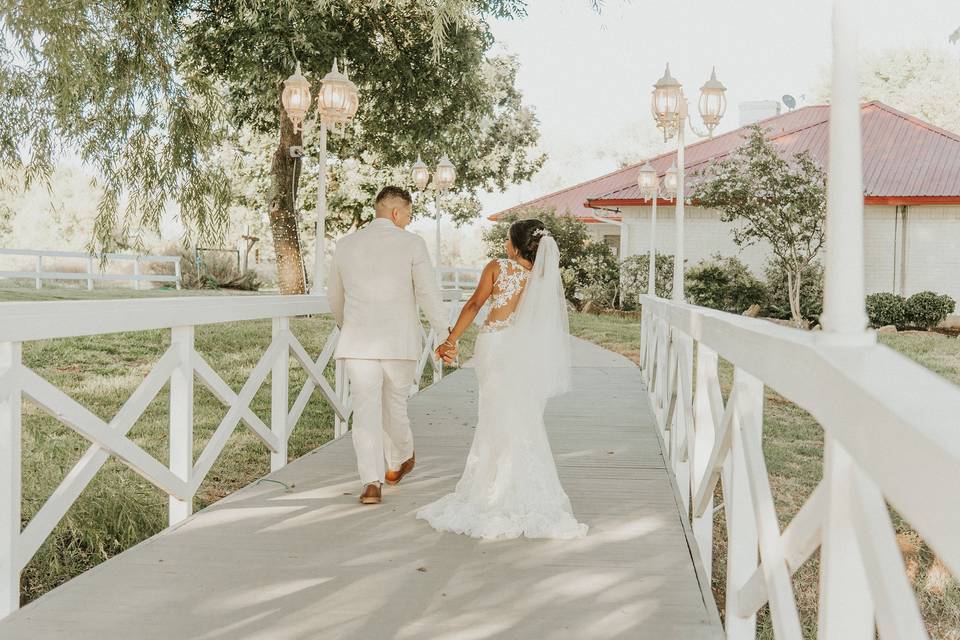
<point>525,236</point>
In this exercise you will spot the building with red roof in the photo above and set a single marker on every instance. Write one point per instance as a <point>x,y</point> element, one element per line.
<point>911,181</point>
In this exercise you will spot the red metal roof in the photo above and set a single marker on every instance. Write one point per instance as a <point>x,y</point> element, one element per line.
<point>905,160</point>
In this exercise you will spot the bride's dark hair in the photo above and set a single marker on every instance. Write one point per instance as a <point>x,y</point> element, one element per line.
<point>525,239</point>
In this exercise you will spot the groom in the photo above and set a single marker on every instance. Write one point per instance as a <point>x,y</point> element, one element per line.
<point>378,277</point>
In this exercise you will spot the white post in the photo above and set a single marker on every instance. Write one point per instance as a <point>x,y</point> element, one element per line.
<point>181,419</point>
<point>90,273</point>
<point>10,481</point>
<point>39,281</point>
<point>652,274</point>
<point>678,217</point>
<point>320,247</point>
<point>742,538</point>
<point>280,393</point>
<point>843,296</point>
<point>845,609</point>
<point>136,273</point>
<point>704,436</point>
<point>436,206</point>
<point>177,272</point>
<point>340,386</point>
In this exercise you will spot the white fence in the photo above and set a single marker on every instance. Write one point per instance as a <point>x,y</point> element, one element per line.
<point>92,271</point>
<point>892,435</point>
<point>460,281</point>
<point>29,321</point>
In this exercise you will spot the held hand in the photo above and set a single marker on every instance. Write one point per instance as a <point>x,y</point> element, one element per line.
<point>447,352</point>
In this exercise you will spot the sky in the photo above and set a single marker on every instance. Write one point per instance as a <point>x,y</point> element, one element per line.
<point>589,75</point>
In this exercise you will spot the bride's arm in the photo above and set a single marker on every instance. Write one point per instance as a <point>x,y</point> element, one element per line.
<point>475,303</point>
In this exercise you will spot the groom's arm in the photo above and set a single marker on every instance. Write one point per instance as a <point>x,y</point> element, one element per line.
<point>335,292</point>
<point>426,290</point>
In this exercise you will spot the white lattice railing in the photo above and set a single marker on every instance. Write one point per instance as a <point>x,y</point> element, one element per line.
<point>892,435</point>
<point>181,365</point>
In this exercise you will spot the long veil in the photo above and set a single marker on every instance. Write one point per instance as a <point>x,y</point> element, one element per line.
<point>539,346</point>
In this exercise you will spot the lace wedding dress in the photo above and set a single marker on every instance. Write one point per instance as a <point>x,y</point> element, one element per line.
<point>509,486</point>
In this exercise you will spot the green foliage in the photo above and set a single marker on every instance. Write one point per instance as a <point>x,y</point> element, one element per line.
<point>570,234</point>
<point>928,309</point>
<point>634,273</point>
<point>151,94</point>
<point>597,276</point>
<point>886,309</point>
<point>462,102</point>
<point>106,80</point>
<point>724,283</point>
<point>811,292</point>
<point>772,200</point>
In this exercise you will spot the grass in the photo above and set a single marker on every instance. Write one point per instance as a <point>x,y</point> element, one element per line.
<point>793,450</point>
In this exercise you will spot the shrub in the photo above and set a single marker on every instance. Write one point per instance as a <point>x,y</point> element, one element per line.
<point>596,276</point>
<point>217,271</point>
<point>634,271</point>
<point>811,292</point>
<point>885,309</point>
<point>927,309</point>
<point>725,284</point>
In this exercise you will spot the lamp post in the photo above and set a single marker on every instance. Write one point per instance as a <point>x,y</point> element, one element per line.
<point>670,111</point>
<point>336,106</point>
<point>443,178</point>
<point>649,185</point>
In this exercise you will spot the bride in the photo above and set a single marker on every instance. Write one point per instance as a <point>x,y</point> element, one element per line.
<point>509,486</point>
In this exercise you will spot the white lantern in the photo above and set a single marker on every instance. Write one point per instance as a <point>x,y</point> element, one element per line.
<point>670,180</point>
<point>296,98</point>
<point>647,180</point>
<point>666,102</point>
<point>338,99</point>
<point>445,174</point>
<point>420,174</point>
<point>713,101</point>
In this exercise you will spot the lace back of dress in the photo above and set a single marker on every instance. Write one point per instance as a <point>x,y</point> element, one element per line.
<point>507,290</point>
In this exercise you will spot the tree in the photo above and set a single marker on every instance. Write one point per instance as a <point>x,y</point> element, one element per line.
<point>128,87</point>
<point>413,100</point>
<point>923,82</point>
<point>770,199</point>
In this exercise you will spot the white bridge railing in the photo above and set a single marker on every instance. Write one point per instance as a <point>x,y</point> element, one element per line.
<point>91,263</point>
<point>181,364</point>
<point>457,280</point>
<point>892,435</point>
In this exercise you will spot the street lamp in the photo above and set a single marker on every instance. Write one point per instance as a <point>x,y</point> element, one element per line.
<point>296,98</point>
<point>337,104</point>
<point>443,178</point>
<point>670,111</point>
<point>649,185</point>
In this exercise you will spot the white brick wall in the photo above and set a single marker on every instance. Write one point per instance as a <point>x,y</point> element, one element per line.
<point>932,244</point>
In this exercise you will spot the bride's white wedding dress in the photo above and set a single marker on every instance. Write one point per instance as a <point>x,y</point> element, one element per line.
<point>509,486</point>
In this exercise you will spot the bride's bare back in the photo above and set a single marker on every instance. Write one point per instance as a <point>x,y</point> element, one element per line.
<point>508,284</point>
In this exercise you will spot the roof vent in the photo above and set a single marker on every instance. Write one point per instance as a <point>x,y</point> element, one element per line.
<point>756,110</point>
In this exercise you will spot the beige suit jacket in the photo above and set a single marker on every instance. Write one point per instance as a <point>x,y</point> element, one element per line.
<point>378,277</point>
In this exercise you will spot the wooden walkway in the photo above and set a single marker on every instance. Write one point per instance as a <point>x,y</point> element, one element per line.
<point>313,563</point>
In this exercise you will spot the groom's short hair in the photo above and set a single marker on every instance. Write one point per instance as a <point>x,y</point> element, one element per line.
<point>393,192</point>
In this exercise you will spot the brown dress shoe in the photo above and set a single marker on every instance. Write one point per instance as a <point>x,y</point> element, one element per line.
<point>371,494</point>
<point>393,477</point>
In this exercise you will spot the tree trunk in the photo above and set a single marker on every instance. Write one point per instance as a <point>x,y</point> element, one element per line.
<point>285,175</point>
<point>793,293</point>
